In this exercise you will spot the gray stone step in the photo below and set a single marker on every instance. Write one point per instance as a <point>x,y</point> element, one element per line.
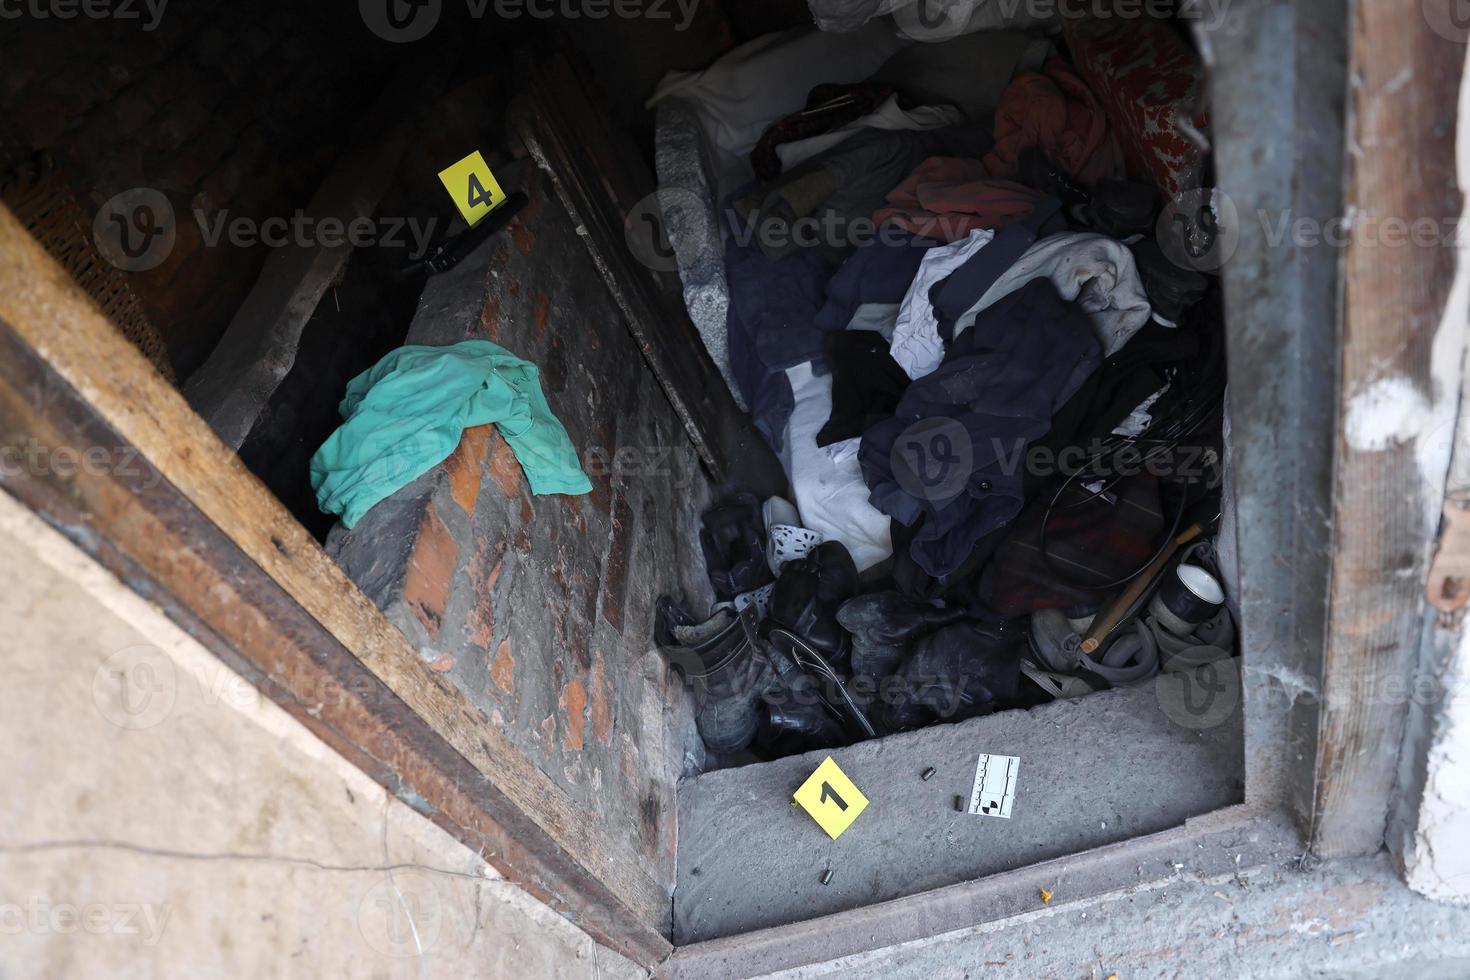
<point>1093,771</point>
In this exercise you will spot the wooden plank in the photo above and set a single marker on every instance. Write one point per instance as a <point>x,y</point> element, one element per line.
<point>600,181</point>
<point>258,348</point>
<point>1402,168</point>
<point>50,317</point>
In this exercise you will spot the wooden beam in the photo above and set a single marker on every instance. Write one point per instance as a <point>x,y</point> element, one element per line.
<point>258,348</point>
<point>601,180</point>
<point>181,519</point>
<point>1397,353</point>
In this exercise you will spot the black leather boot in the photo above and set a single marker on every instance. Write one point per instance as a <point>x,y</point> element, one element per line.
<point>809,593</point>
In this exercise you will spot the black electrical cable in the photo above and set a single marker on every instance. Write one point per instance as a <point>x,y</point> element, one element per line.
<point>1191,399</point>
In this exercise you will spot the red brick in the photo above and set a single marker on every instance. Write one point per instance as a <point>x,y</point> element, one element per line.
<point>430,571</point>
<point>505,469</point>
<point>574,707</point>
<point>503,669</point>
<point>520,227</point>
<point>542,315</point>
<point>467,465</point>
<point>524,237</point>
<point>600,696</point>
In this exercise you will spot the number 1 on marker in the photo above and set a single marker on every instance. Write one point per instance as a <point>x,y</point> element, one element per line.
<point>832,799</point>
<point>828,791</point>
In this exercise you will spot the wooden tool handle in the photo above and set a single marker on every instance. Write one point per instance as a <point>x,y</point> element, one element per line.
<point>1113,613</point>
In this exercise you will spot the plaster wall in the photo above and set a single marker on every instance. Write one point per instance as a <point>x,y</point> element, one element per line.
<point>163,819</point>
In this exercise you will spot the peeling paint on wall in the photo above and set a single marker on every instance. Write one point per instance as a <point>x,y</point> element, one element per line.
<point>1386,413</point>
<point>1435,786</point>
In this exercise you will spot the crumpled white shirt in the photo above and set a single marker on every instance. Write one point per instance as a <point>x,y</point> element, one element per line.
<point>1097,271</point>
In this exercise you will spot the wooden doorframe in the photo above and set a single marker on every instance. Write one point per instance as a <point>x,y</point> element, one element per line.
<point>1345,368</point>
<point>1403,349</point>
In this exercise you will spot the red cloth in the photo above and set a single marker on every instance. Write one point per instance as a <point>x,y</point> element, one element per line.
<point>1147,79</point>
<point>946,198</point>
<point>1055,111</point>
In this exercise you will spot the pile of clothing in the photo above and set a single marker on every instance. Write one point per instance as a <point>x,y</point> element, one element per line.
<point>949,314</point>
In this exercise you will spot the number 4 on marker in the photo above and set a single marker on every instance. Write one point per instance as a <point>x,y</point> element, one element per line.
<point>479,197</point>
<point>472,187</point>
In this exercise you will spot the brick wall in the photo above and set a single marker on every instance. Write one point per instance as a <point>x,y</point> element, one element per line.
<point>223,105</point>
<point>540,609</point>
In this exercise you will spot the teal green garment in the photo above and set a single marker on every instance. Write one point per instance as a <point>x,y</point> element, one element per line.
<point>405,415</point>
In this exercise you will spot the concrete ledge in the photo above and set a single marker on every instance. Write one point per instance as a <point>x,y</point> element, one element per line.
<point>1226,842</point>
<point>1094,771</point>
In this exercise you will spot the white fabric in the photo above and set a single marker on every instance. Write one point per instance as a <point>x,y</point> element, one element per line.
<point>788,543</point>
<point>1138,420</point>
<point>916,345</point>
<point>986,15</point>
<point>786,539</point>
<point>887,116</point>
<point>779,510</point>
<point>877,317</point>
<point>760,598</point>
<point>761,81</point>
<point>845,450</point>
<point>831,495</point>
<point>848,15</point>
<point>1093,269</point>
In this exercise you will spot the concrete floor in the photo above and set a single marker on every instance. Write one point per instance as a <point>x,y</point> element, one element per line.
<point>1344,920</point>
<point>1094,771</point>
